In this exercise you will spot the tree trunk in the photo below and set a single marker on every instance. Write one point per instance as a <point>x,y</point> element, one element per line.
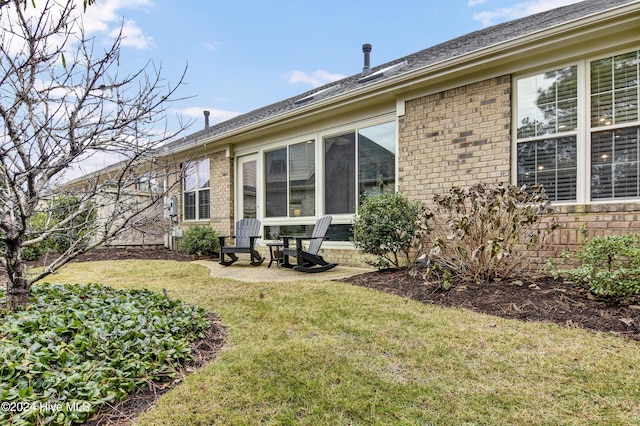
<point>18,285</point>
<point>17,294</point>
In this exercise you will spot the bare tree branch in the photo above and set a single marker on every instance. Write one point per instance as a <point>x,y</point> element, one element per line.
<point>62,99</point>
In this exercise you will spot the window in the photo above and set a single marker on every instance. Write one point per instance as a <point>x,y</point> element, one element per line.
<point>547,122</point>
<point>290,177</point>
<point>149,183</point>
<point>346,179</point>
<point>549,130</point>
<point>614,124</point>
<point>306,180</point>
<point>197,202</point>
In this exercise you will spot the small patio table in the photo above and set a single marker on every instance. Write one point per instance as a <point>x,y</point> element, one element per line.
<point>275,253</point>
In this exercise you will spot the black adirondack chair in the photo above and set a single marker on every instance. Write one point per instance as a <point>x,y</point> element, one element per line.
<point>308,260</point>
<point>247,232</point>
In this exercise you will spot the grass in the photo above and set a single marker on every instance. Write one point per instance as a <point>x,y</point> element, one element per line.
<point>321,352</point>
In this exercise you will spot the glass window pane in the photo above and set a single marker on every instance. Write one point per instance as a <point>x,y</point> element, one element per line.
<point>339,174</point>
<point>204,204</point>
<point>190,176</point>
<point>249,189</point>
<point>566,153</point>
<point>601,75</point>
<point>302,179</point>
<point>626,70</point>
<point>527,107</point>
<point>552,163</point>
<point>602,109</point>
<point>566,184</point>
<point>547,103</point>
<point>567,116</point>
<point>376,158</point>
<point>189,205</point>
<point>276,182</point>
<point>626,105</point>
<point>601,184</point>
<point>203,173</point>
<point>275,232</point>
<point>614,90</point>
<point>615,162</point>
<point>334,233</point>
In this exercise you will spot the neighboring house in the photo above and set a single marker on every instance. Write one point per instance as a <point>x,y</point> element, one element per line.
<point>551,98</point>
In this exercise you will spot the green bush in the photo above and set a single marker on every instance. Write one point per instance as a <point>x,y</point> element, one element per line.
<point>487,232</point>
<point>78,231</point>
<point>37,224</point>
<point>200,240</point>
<point>385,228</point>
<point>608,266</point>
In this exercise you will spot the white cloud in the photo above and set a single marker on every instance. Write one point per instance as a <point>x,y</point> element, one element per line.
<point>133,36</point>
<point>518,10</point>
<point>315,79</point>
<point>475,2</point>
<point>211,46</point>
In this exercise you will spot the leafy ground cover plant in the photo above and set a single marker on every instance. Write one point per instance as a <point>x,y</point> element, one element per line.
<point>384,227</point>
<point>78,346</point>
<point>486,232</point>
<point>200,240</point>
<point>608,266</point>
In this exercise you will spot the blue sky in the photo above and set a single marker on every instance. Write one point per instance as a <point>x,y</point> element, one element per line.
<point>245,54</point>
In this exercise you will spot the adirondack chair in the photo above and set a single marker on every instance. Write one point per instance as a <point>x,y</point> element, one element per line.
<point>247,232</point>
<point>308,260</point>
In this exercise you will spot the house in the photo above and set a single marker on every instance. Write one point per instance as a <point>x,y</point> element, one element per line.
<point>551,98</point>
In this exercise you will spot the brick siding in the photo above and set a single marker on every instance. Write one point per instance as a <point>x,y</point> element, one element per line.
<point>454,138</point>
<point>222,184</point>
<point>462,136</point>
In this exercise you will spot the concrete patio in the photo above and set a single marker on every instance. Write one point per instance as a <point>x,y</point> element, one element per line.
<point>243,271</point>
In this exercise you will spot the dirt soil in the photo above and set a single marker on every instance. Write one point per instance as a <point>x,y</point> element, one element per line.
<point>542,299</point>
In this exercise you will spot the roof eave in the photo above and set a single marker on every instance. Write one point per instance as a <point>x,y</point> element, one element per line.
<point>495,53</point>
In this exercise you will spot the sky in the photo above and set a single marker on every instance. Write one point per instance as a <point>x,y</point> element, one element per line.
<point>244,54</point>
<point>241,55</point>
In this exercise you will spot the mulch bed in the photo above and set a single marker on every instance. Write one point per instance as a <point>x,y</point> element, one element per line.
<point>542,299</point>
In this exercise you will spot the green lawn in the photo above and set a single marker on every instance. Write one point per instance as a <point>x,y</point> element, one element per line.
<point>317,353</point>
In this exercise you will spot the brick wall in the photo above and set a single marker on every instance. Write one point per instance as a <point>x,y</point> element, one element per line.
<point>462,136</point>
<point>222,184</point>
<point>454,138</point>
<point>576,223</point>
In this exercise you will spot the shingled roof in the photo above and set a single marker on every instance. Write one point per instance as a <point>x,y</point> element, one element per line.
<point>448,50</point>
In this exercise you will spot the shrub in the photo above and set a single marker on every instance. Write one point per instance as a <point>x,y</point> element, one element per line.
<point>385,227</point>
<point>608,266</point>
<point>200,240</point>
<point>77,232</point>
<point>481,233</point>
<point>36,224</point>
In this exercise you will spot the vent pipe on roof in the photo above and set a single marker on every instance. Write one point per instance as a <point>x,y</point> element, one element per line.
<point>206,119</point>
<point>366,49</point>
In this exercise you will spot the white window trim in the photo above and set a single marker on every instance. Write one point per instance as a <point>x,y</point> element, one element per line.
<point>318,138</point>
<point>196,190</point>
<point>583,132</point>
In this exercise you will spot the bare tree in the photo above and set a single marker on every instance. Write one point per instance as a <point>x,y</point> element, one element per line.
<point>62,99</point>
